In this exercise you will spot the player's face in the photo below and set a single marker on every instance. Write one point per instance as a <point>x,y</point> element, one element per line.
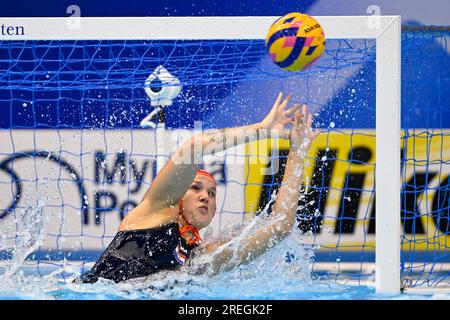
<point>199,202</point>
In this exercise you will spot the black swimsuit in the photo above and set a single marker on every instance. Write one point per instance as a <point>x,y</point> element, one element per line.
<point>139,253</point>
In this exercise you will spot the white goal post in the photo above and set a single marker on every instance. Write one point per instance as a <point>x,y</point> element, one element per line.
<point>386,30</point>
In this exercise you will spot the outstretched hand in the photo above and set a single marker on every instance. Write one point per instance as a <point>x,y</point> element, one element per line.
<point>301,134</point>
<point>279,117</point>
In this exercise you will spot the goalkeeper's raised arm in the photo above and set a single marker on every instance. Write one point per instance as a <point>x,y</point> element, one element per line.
<point>161,201</point>
<point>284,210</point>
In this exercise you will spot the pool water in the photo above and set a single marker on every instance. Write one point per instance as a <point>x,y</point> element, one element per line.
<point>270,276</point>
<point>282,272</point>
<point>166,287</point>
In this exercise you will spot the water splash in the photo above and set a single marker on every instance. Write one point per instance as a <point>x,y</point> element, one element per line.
<point>282,270</point>
<point>23,235</point>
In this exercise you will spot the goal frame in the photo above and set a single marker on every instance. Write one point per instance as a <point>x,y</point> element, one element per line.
<point>385,30</point>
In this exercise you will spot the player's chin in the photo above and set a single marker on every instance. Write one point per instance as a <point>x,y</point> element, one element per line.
<point>202,220</point>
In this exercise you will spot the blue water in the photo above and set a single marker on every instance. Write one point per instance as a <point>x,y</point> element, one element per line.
<point>282,272</point>
<point>270,276</point>
<point>40,289</point>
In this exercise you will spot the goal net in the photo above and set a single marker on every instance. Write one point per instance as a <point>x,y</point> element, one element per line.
<point>76,156</point>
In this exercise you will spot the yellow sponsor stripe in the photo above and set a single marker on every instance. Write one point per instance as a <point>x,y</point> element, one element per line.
<point>426,152</point>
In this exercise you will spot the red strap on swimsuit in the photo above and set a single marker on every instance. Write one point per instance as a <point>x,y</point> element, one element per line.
<point>196,239</point>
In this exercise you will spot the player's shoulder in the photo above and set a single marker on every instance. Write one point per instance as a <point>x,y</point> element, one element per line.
<point>143,217</point>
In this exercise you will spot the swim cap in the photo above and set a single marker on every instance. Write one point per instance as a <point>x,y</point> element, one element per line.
<point>207,174</point>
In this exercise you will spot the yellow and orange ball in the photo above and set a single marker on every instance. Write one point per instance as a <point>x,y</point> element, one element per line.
<point>295,41</point>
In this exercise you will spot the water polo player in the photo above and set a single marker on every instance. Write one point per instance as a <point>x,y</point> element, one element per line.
<point>163,230</point>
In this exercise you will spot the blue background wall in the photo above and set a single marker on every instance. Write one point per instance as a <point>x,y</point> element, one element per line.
<point>413,11</point>
<point>425,67</point>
